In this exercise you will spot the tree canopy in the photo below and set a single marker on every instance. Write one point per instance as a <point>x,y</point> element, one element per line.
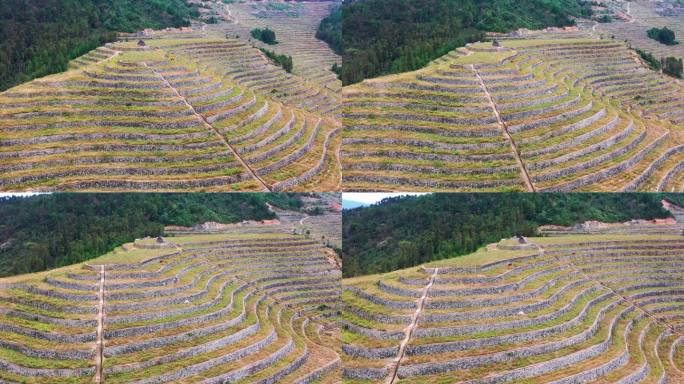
<point>390,36</point>
<point>39,37</point>
<point>48,231</point>
<point>664,35</point>
<point>405,231</point>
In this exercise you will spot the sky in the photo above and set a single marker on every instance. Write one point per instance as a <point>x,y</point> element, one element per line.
<point>372,198</point>
<point>22,194</point>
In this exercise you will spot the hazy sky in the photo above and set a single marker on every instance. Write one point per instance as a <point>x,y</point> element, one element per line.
<point>371,198</point>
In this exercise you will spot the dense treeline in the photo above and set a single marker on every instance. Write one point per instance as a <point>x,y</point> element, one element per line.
<point>330,30</point>
<point>391,36</point>
<point>406,231</point>
<point>47,231</point>
<point>39,37</point>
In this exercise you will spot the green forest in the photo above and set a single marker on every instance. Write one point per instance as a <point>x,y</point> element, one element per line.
<point>330,30</point>
<point>39,37</point>
<point>391,36</point>
<point>406,231</point>
<point>47,231</point>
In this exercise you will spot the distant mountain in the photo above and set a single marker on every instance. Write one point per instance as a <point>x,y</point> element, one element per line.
<point>351,204</point>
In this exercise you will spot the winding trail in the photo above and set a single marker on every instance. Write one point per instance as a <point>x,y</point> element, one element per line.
<point>264,186</point>
<point>409,330</point>
<point>100,329</point>
<point>523,170</point>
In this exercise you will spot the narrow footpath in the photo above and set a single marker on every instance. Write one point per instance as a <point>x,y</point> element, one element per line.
<point>99,353</point>
<point>523,170</point>
<point>409,330</point>
<point>216,131</point>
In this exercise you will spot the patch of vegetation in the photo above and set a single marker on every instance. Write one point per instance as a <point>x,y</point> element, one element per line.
<point>653,63</point>
<point>390,36</point>
<point>672,66</point>
<point>266,35</point>
<point>280,60</point>
<point>47,231</point>
<point>38,38</point>
<point>605,19</point>
<point>663,35</point>
<point>330,30</point>
<point>402,232</point>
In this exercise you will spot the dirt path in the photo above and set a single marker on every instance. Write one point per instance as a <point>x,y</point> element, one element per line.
<point>409,330</point>
<point>216,131</point>
<point>100,329</point>
<point>523,170</point>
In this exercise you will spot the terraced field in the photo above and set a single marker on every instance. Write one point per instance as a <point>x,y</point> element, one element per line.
<point>211,308</point>
<point>578,308</point>
<point>535,114</point>
<point>295,25</point>
<point>176,114</point>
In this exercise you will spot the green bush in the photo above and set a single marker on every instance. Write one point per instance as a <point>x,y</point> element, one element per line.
<point>280,60</point>
<point>266,35</point>
<point>663,35</point>
<point>672,66</point>
<point>653,63</point>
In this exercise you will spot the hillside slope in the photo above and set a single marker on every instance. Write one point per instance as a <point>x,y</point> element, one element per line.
<point>49,231</point>
<point>550,110</point>
<point>201,307</point>
<point>577,308</point>
<point>38,38</point>
<point>392,36</point>
<point>408,231</point>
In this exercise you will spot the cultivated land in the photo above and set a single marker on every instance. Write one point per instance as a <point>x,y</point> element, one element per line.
<point>295,25</point>
<point>642,16</point>
<point>600,308</point>
<point>206,307</point>
<point>191,110</point>
<point>548,111</point>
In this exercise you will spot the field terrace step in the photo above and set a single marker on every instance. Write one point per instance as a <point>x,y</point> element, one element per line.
<point>596,310</point>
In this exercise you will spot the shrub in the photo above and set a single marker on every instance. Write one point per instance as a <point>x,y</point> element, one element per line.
<point>650,59</point>
<point>266,35</point>
<point>663,35</point>
<point>672,66</point>
<point>280,60</point>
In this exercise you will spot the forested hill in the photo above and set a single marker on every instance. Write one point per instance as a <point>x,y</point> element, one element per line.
<point>406,231</point>
<point>391,36</point>
<point>47,231</point>
<point>39,37</point>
